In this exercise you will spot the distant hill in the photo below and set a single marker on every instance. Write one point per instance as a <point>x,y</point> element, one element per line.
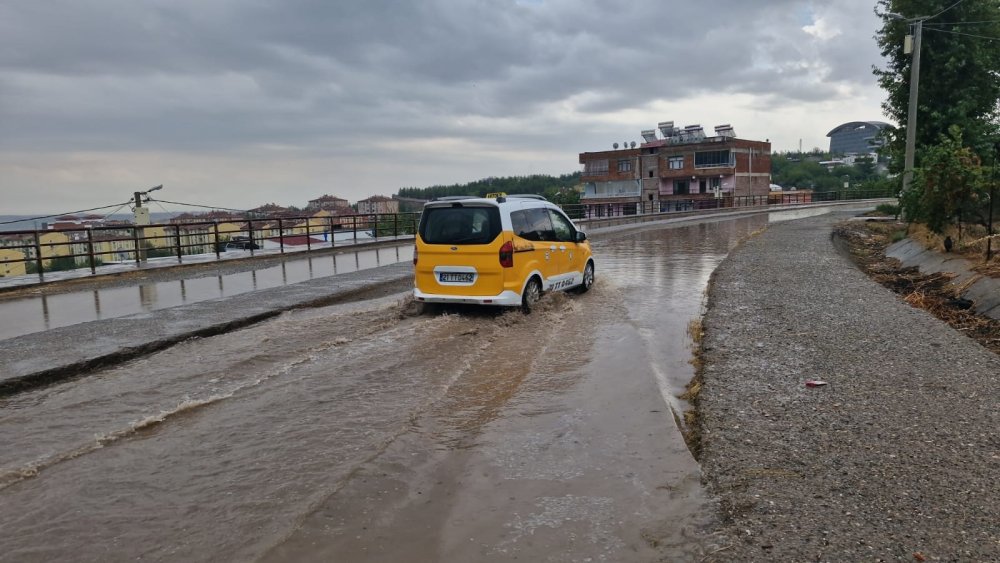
<point>550,186</point>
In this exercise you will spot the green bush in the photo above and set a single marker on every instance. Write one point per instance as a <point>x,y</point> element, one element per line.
<point>888,209</point>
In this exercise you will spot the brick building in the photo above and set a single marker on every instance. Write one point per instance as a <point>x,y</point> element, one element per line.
<point>611,181</point>
<point>678,169</point>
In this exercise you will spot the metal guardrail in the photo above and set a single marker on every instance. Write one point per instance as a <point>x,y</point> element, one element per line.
<point>586,211</point>
<point>93,246</point>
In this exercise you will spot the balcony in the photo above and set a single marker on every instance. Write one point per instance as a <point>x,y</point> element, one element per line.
<point>616,189</point>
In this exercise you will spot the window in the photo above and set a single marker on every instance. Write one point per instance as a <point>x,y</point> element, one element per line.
<point>533,224</point>
<point>624,165</point>
<point>675,162</point>
<point>716,184</point>
<point>454,225</point>
<point>709,159</point>
<point>681,187</point>
<point>651,173</point>
<point>564,230</point>
<point>596,167</point>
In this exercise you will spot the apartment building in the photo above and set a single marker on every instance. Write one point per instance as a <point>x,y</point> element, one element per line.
<point>329,203</point>
<point>674,169</point>
<point>377,204</point>
<point>611,181</point>
<point>11,263</point>
<point>51,244</point>
<point>207,217</point>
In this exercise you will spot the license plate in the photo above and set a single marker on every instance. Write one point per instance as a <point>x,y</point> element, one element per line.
<point>455,277</point>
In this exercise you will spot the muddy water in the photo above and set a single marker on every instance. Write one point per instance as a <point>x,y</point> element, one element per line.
<point>45,312</point>
<point>363,433</point>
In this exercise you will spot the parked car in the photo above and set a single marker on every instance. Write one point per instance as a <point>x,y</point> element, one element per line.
<point>503,251</point>
<point>241,245</point>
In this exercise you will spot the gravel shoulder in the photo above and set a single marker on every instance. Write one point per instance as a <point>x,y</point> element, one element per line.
<point>895,459</point>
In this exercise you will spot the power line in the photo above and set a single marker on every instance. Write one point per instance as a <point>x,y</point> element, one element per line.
<point>195,205</point>
<point>945,10</point>
<point>966,23</point>
<point>965,34</point>
<point>106,215</point>
<point>158,205</point>
<point>119,205</point>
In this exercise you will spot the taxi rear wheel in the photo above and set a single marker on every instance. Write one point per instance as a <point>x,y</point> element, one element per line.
<point>532,293</point>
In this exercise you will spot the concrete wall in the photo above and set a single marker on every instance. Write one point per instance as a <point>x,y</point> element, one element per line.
<point>983,291</point>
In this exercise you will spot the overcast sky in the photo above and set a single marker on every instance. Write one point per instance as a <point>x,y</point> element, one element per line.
<point>237,103</point>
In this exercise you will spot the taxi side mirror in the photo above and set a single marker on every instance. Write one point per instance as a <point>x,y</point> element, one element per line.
<point>581,236</point>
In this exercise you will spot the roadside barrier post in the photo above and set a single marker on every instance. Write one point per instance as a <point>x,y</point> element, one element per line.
<point>90,250</point>
<point>217,251</point>
<point>38,258</point>
<point>177,241</point>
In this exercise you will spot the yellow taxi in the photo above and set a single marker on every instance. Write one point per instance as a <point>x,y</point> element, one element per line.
<point>503,250</point>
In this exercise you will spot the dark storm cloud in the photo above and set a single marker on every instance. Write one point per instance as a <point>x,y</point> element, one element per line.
<point>184,74</point>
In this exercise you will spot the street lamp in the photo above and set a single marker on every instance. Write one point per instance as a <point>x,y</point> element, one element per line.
<point>911,116</point>
<point>138,195</point>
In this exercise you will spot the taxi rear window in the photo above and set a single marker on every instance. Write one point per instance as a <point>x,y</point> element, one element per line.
<point>460,225</point>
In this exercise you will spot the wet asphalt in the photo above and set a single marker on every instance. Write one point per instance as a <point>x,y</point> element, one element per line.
<point>895,458</point>
<point>65,352</point>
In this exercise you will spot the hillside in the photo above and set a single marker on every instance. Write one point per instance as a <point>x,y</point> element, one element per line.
<point>554,188</point>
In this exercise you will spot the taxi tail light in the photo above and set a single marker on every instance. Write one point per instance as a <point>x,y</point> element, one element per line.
<point>507,255</point>
<point>414,255</point>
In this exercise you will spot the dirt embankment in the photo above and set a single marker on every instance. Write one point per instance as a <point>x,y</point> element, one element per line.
<point>866,242</point>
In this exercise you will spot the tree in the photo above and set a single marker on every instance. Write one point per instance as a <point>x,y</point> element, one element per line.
<point>865,167</point>
<point>808,173</point>
<point>394,225</point>
<point>534,184</point>
<point>950,184</point>
<point>562,196</point>
<point>959,72</point>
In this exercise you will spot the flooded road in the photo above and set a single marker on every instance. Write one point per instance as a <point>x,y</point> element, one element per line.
<point>364,433</point>
<point>44,312</point>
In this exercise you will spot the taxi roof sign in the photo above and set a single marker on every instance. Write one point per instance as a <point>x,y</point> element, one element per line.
<point>492,195</point>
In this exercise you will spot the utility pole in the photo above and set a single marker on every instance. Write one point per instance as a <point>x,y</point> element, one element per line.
<point>993,186</point>
<point>911,114</point>
<point>141,215</point>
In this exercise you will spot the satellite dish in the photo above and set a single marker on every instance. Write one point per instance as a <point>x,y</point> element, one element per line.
<point>614,146</point>
<point>632,144</point>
